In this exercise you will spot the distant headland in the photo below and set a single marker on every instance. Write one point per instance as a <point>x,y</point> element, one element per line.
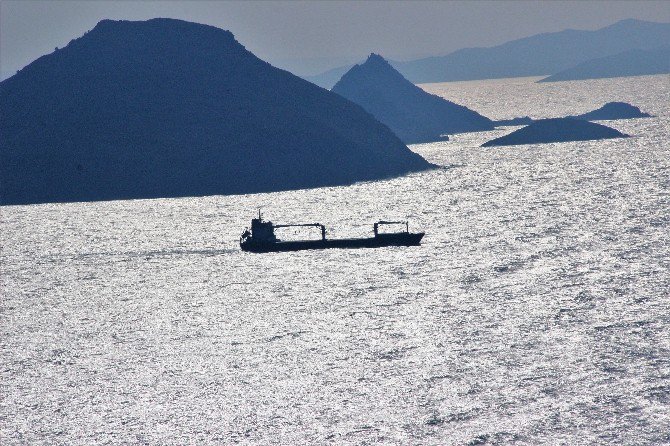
<point>635,62</point>
<point>539,55</point>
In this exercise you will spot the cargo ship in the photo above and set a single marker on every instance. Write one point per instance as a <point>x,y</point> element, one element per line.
<point>261,237</point>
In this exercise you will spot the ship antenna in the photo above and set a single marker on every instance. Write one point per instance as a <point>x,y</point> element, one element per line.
<point>259,213</point>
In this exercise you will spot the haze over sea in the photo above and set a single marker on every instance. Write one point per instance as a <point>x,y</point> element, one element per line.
<point>536,311</point>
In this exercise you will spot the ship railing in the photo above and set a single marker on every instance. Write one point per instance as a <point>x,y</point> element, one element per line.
<point>317,225</point>
<point>384,222</point>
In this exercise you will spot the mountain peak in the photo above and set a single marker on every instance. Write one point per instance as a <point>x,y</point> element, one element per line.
<point>375,66</point>
<point>375,58</point>
<point>164,25</point>
<point>165,22</point>
<point>377,61</point>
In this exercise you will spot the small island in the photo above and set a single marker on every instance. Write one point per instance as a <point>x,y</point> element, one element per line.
<point>556,130</point>
<point>612,111</point>
<point>608,112</point>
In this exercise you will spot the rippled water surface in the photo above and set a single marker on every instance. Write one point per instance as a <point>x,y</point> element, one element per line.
<point>537,310</point>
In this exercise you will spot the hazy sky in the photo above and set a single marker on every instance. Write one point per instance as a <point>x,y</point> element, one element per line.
<point>309,37</point>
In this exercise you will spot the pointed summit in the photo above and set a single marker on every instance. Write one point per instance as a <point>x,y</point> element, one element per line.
<point>375,61</point>
<point>375,58</point>
<point>414,115</point>
<point>167,108</point>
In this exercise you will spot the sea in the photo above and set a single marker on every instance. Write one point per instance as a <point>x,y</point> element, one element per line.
<point>535,312</point>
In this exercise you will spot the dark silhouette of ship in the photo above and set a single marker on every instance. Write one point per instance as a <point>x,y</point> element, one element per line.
<point>262,238</point>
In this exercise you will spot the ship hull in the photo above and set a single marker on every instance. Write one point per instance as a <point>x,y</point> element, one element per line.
<point>382,240</point>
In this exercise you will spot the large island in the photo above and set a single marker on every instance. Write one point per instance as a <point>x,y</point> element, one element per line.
<point>167,108</point>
